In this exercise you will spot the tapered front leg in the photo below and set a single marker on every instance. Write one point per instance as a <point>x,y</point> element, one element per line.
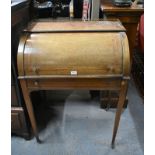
<point>29,107</point>
<point>122,96</point>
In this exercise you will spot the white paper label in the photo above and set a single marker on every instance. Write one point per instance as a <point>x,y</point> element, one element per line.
<point>73,72</point>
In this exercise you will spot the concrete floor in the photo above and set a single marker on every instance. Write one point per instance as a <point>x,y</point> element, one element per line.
<point>77,126</point>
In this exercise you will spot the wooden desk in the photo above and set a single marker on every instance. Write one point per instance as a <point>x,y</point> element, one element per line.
<point>19,20</point>
<point>73,55</point>
<point>129,16</point>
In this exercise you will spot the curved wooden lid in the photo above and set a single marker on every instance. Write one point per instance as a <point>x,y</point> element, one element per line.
<point>46,52</point>
<point>62,53</point>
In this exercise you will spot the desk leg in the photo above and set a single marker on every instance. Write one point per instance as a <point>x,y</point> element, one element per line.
<point>121,100</point>
<point>29,107</point>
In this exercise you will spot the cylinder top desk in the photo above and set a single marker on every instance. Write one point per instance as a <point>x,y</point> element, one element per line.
<point>74,55</point>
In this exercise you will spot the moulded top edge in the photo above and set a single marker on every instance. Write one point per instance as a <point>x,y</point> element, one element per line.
<point>75,26</point>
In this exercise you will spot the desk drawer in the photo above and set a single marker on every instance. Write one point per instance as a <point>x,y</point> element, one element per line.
<point>18,122</point>
<point>123,18</point>
<point>74,83</point>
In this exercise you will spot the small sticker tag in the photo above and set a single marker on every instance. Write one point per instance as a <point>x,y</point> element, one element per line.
<point>73,72</point>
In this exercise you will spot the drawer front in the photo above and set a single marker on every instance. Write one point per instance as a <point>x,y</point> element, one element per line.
<point>124,17</point>
<point>18,121</point>
<point>74,83</point>
<point>15,121</point>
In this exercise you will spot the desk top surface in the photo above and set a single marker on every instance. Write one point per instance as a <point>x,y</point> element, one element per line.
<point>108,6</point>
<point>76,26</point>
<point>16,5</point>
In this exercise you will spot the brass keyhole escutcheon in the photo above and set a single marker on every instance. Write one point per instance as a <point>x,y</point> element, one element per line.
<point>35,69</point>
<point>36,83</point>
